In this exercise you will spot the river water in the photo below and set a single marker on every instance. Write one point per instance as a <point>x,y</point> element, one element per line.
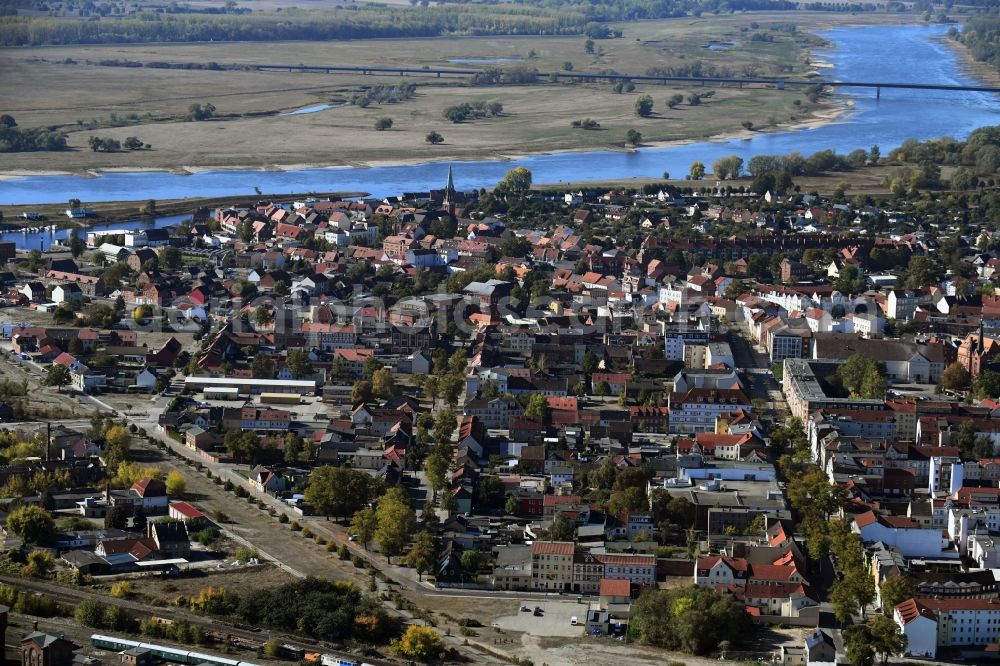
<point>910,53</point>
<point>46,238</point>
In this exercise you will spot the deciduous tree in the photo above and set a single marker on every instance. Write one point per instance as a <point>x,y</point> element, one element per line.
<point>57,375</point>
<point>562,528</point>
<point>423,554</point>
<point>176,485</point>
<point>338,491</point>
<point>299,364</point>
<point>644,106</point>
<point>436,467</point>
<point>517,181</point>
<point>420,643</point>
<point>363,525</point>
<point>955,377</point>
<point>396,520</point>
<point>384,383</point>
<point>32,524</point>
<point>362,392</point>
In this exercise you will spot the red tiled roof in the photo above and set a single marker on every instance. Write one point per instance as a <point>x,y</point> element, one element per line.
<point>187,510</point>
<point>773,572</point>
<point>899,521</point>
<point>939,605</point>
<point>865,519</point>
<point>559,500</point>
<point>734,563</point>
<point>552,548</point>
<point>149,486</point>
<point>615,587</point>
<point>635,560</point>
<point>909,610</point>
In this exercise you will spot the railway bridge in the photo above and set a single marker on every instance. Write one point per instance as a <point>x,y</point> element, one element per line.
<point>781,84</point>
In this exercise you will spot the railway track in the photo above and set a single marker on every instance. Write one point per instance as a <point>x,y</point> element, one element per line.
<point>225,632</point>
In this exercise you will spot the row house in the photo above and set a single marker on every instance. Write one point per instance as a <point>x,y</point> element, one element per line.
<point>329,336</point>
<point>552,566</point>
<point>930,624</point>
<point>255,419</point>
<point>495,412</point>
<point>697,409</point>
<point>589,569</point>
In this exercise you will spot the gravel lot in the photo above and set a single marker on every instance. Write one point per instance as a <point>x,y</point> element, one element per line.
<point>554,622</point>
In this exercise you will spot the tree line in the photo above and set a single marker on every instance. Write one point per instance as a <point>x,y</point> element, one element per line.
<point>353,23</point>
<point>14,139</point>
<point>321,609</point>
<point>981,35</point>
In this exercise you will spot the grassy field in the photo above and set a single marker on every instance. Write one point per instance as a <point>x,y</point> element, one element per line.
<point>40,88</point>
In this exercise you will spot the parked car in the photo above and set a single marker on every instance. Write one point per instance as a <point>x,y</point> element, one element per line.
<point>573,621</point>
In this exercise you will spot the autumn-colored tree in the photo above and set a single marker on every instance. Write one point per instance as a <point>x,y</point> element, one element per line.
<point>420,643</point>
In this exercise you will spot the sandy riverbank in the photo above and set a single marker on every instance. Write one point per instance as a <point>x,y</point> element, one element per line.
<point>981,71</point>
<point>830,111</point>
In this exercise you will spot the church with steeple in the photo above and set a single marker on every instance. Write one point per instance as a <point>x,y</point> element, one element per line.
<point>449,193</point>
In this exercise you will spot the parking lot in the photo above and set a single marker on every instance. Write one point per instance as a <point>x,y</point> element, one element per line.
<point>554,621</point>
<point>309,408</point>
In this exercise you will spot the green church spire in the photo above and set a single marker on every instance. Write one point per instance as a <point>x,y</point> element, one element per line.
<point>449,187</point>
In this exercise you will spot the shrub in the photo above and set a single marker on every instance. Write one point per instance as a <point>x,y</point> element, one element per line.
<point>122,589</point>
<point>37,605</point>
<point>39,565</point>
<point>214,601</point>
<point>244,554</point>
<point>90,613</point>
<point>207,536</point>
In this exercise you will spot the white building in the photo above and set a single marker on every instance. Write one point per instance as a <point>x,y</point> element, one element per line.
<point>984,550</point>
<point>929,624</point>
<point>719,352</point>
<point>637,569</point>
<point>963,523</point>
<point>903,534</point>
<point>696,410</point>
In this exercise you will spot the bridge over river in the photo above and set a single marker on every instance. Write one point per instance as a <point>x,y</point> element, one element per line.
<point>781,84</point>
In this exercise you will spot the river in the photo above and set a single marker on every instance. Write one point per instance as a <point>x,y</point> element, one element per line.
<point>909,53</point>
<point>46,238</point>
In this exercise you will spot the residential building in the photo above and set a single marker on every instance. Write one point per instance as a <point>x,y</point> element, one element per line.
<point>697,409</point>
<point>552,566</point>
<point>930,624</point>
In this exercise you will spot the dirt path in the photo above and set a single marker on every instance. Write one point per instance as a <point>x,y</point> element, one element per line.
<point>589,651</point>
